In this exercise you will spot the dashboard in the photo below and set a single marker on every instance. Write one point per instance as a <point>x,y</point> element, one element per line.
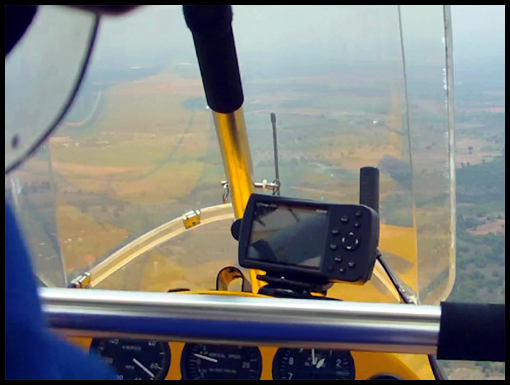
<point>163,360</point>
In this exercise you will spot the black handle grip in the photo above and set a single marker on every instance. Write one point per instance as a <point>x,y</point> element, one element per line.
<point>369,187</point>
<point>211,26</point>
<point>472,332</point>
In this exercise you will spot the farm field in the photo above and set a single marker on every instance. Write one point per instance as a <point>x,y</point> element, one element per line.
<point>146,152</point>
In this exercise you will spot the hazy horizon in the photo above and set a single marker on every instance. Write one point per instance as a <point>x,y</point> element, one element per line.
<point>156,34</point>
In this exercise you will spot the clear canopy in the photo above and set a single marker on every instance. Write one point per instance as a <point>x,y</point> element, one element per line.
<point>351,86</point>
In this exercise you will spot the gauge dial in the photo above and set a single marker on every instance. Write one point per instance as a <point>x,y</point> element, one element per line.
<point>134,359</point>
<point>313,364</point>
<point>218,362</point>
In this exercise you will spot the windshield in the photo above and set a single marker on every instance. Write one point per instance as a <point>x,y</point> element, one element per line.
<point>351,86</point>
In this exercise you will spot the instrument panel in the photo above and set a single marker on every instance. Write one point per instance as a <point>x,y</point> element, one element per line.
<point>313,364</point>
<point>134,359</point>
<point>220,362</point>
<point>162,360</point>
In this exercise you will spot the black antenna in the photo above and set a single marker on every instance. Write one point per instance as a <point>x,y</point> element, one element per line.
<point>275,146</point>
<point>369,187</point>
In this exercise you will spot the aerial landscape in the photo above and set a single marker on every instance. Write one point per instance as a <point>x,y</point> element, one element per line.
<point>139,149</point>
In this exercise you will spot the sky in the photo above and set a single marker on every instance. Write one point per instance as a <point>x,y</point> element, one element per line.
<point>334,31</point>
<point>479,30</point>
<point>487,20</point>
<point>272,38</point>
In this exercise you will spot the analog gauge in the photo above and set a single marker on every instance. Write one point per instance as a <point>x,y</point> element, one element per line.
<point>134,359</point>
<point>217,362</point>
<point>313,364</point>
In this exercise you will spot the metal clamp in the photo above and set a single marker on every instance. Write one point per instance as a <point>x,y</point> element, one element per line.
<point>226,192</point>
<point>191,218</point>
<point>274,186</point>
<point>265,185</point>
<point>81,282</point>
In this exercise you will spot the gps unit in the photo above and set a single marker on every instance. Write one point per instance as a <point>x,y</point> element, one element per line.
<point>292,237</point>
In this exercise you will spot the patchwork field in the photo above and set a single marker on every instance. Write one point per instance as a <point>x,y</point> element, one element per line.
<point>146,152</point>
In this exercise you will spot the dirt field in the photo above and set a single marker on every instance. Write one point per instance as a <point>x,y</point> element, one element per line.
<point>166,83</point>
<point>83,239</point>
<point>462,154</point>
<point>85,170</point>
<point>497,226</point>
<point>493,110</point>
<point>115,157</point>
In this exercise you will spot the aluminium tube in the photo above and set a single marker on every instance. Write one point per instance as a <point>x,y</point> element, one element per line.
<point>243,320</point>
<point>211,28</point>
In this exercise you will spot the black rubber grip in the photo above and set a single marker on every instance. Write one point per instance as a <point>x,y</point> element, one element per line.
<point>369,187</point>
<point>472,332</point>
<point>211,26</point>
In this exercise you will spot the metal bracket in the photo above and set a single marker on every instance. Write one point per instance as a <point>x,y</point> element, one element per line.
<point>228,275</point>
<point>264,185</point>
<point>81,282</point>
<point>275,185</point>
<point>191,218</point>
<point>226,192</point>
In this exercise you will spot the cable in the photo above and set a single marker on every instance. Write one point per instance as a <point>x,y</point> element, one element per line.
<point>394,280</point>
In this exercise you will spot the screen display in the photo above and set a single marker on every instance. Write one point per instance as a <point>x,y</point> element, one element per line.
<point>288,235</point>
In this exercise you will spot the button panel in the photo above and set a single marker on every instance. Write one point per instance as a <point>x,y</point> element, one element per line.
<point>351,243</point>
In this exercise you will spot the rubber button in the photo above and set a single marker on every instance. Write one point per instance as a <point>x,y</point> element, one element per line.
<point>350,241</point>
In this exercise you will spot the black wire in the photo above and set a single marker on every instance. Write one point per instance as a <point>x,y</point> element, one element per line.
<point>394,280</point>
<point>67,106</point>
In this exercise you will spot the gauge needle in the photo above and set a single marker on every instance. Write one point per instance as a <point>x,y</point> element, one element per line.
<point>206,358</point>
<point>320,364</point>
<point>314,359</point>
<point>143,367</point>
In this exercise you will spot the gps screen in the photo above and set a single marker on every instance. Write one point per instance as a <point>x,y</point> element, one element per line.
<point>288,235</point>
